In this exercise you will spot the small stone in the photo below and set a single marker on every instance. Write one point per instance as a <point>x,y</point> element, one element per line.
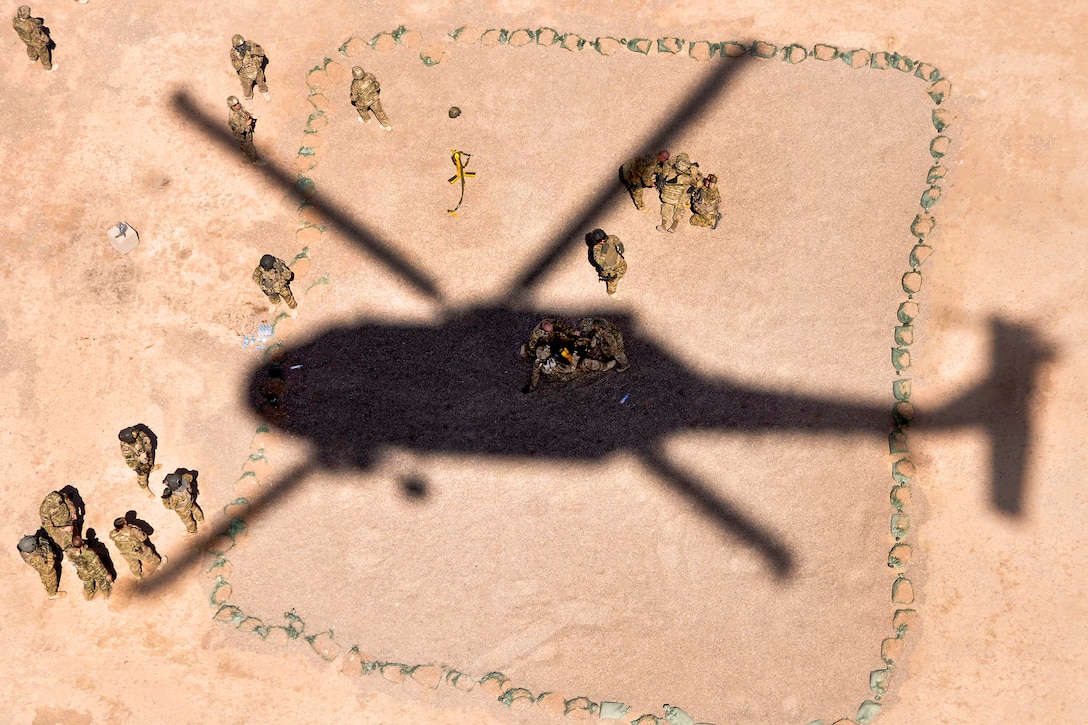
<point>640,45</point>
<point>878,681</point>
<point>493,38</point>
<point>494,683</point>
<point>336,72</point>
<point>317,79</point>
<point>314,141</point>
<point>903,412</point>
<point>902,63</point>
<point>907,312</point>
<point>429,676</point>
<point>460,680</point>
<point>311,216</point>
<point>647,720</point>
<point>902,590</point>
<point>220,544</point>
<point>521,37</point>
<point>701,50</point>
<point>900,358</point>
<point>900,527</point>
<point>900,555</point>
<point>517,698</point>
<point>857,58</point>
<point>676,716</point>
<point>794,53</point>
<point>316,123</point>
<point>384,42</point>
<point>825,52</point>
<point>301,266</point>
<point>325,648</point>
<point>552,703</point>
<point>613,710</point>
<point>260,467</point>
<point>930,197</point>
<point>319,101</point>
<point>880,61</point>
<point>670,45</point>
<point>897,442</point>
<point>237,508</point>
<point>411,39</point>
<point>277,635</point>
<point>353,663</point>
<point>608,46</point>
<point>761,49</point>
<point>903,620</point>
<point>228,613</point>
<point>732,49</point>
<point>900,497</point>
<point>940,91</point>
<point>570,41</point>
<point>922,225</point>
<point>925,71</point>
<point>353,47</point>
<point>938,147</point>
<point>392,671</point>
<point>935,174</point>
<point>891,650</point>
<point>904,335</point>
<point>912,282</point>
<point>221,593</point>
<point>942,119</point>
<point>903,470</point>
<point>547,36</point>
<point>919,254</point>
<point>249,624</point>
<point>867,712</point>
<point>433,53</point>
<point>901,389</point>
<point>250,486</point>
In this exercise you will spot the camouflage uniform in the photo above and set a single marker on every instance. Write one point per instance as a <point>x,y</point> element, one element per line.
<point>32,33</point>
<point>609,261</point>
<point>638,174</point>
<point>242,125</point>
<point>704,206</point>
<point>364,96</point>
<point>132,542</point>
<point>249,61</point>
<point>140,457</point>
<point>44,560</point>
<point>554,354</point>
<point>675,185</point>
<point>605,343</point>
<point>90,568</point>
<point>59,513</point>
<point>276,282</point>
<point>180,500</point>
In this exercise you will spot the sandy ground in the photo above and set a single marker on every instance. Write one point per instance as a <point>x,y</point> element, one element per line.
<point>395,533</point>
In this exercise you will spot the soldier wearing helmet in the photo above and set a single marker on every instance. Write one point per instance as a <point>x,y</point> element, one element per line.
<point>249,61</point>
<point>32,32</point>
<point>607,254</point>
<point>242,125</point>
<point>180,497</point>
<point>364,96</point>
<point>641,173</point>
<point>38,551</point>
<point>675,185</point>
<point>274,277</point>
<point>704,204</point>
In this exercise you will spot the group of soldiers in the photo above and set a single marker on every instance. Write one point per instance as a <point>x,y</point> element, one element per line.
<point>249,61</point>
<point>680,186</point>
<point>62,513</point>
<point>562,351</point>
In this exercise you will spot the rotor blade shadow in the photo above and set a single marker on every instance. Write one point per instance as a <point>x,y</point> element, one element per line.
<point>217,131</point>
<point>1002,404</point>
<point>194,551</point>
<point>697,103</point>
<point>731,521</point>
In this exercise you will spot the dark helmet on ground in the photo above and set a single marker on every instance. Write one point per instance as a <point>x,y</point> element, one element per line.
<point>267,262</point>
<point>28,544</point>
<point>127,435</point>
<point>357,71</point>
<point>454,111</point>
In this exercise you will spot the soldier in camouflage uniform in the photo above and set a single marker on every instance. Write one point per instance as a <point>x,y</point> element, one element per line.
<point>139,455</point>
<point>641,173</point>
<point>274,277</point>
<point>675,185</point>
<point>180,498</point>
<point>604,345</point>
<point>364,96</point>
<point>135,548</point>
<point>37,551</point>
<point>32,32</point>
<point>249,61</point>
<point>242,125</point>
<point>704,204</point>
<point>90,568</point>
<point>59,516</point>
<point>608,258</point>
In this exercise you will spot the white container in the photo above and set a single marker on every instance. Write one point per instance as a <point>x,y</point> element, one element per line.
<point>123,237</point>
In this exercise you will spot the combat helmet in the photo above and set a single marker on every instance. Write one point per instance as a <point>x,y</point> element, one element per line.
<point>127,435</point>
<point>24,11</point>
<point>28,543</point>
<point>237,40</point>
<point>357,71</point>
<point>268,262</point>
<point>683,162</point>
<point>232,101</point>
<point>173,481</point>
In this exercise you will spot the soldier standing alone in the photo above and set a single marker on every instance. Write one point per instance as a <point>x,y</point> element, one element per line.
<point>274,277</point>
<point>135,548</point>
<point>37,551</point>
<point>242,125</point>
<point>90,568</point>
<point>364,96</point>
<point>32,32</point>
<point>608,258</point>
<point>249,61</point>
<point>179,497</point>
<point>139,455</point>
